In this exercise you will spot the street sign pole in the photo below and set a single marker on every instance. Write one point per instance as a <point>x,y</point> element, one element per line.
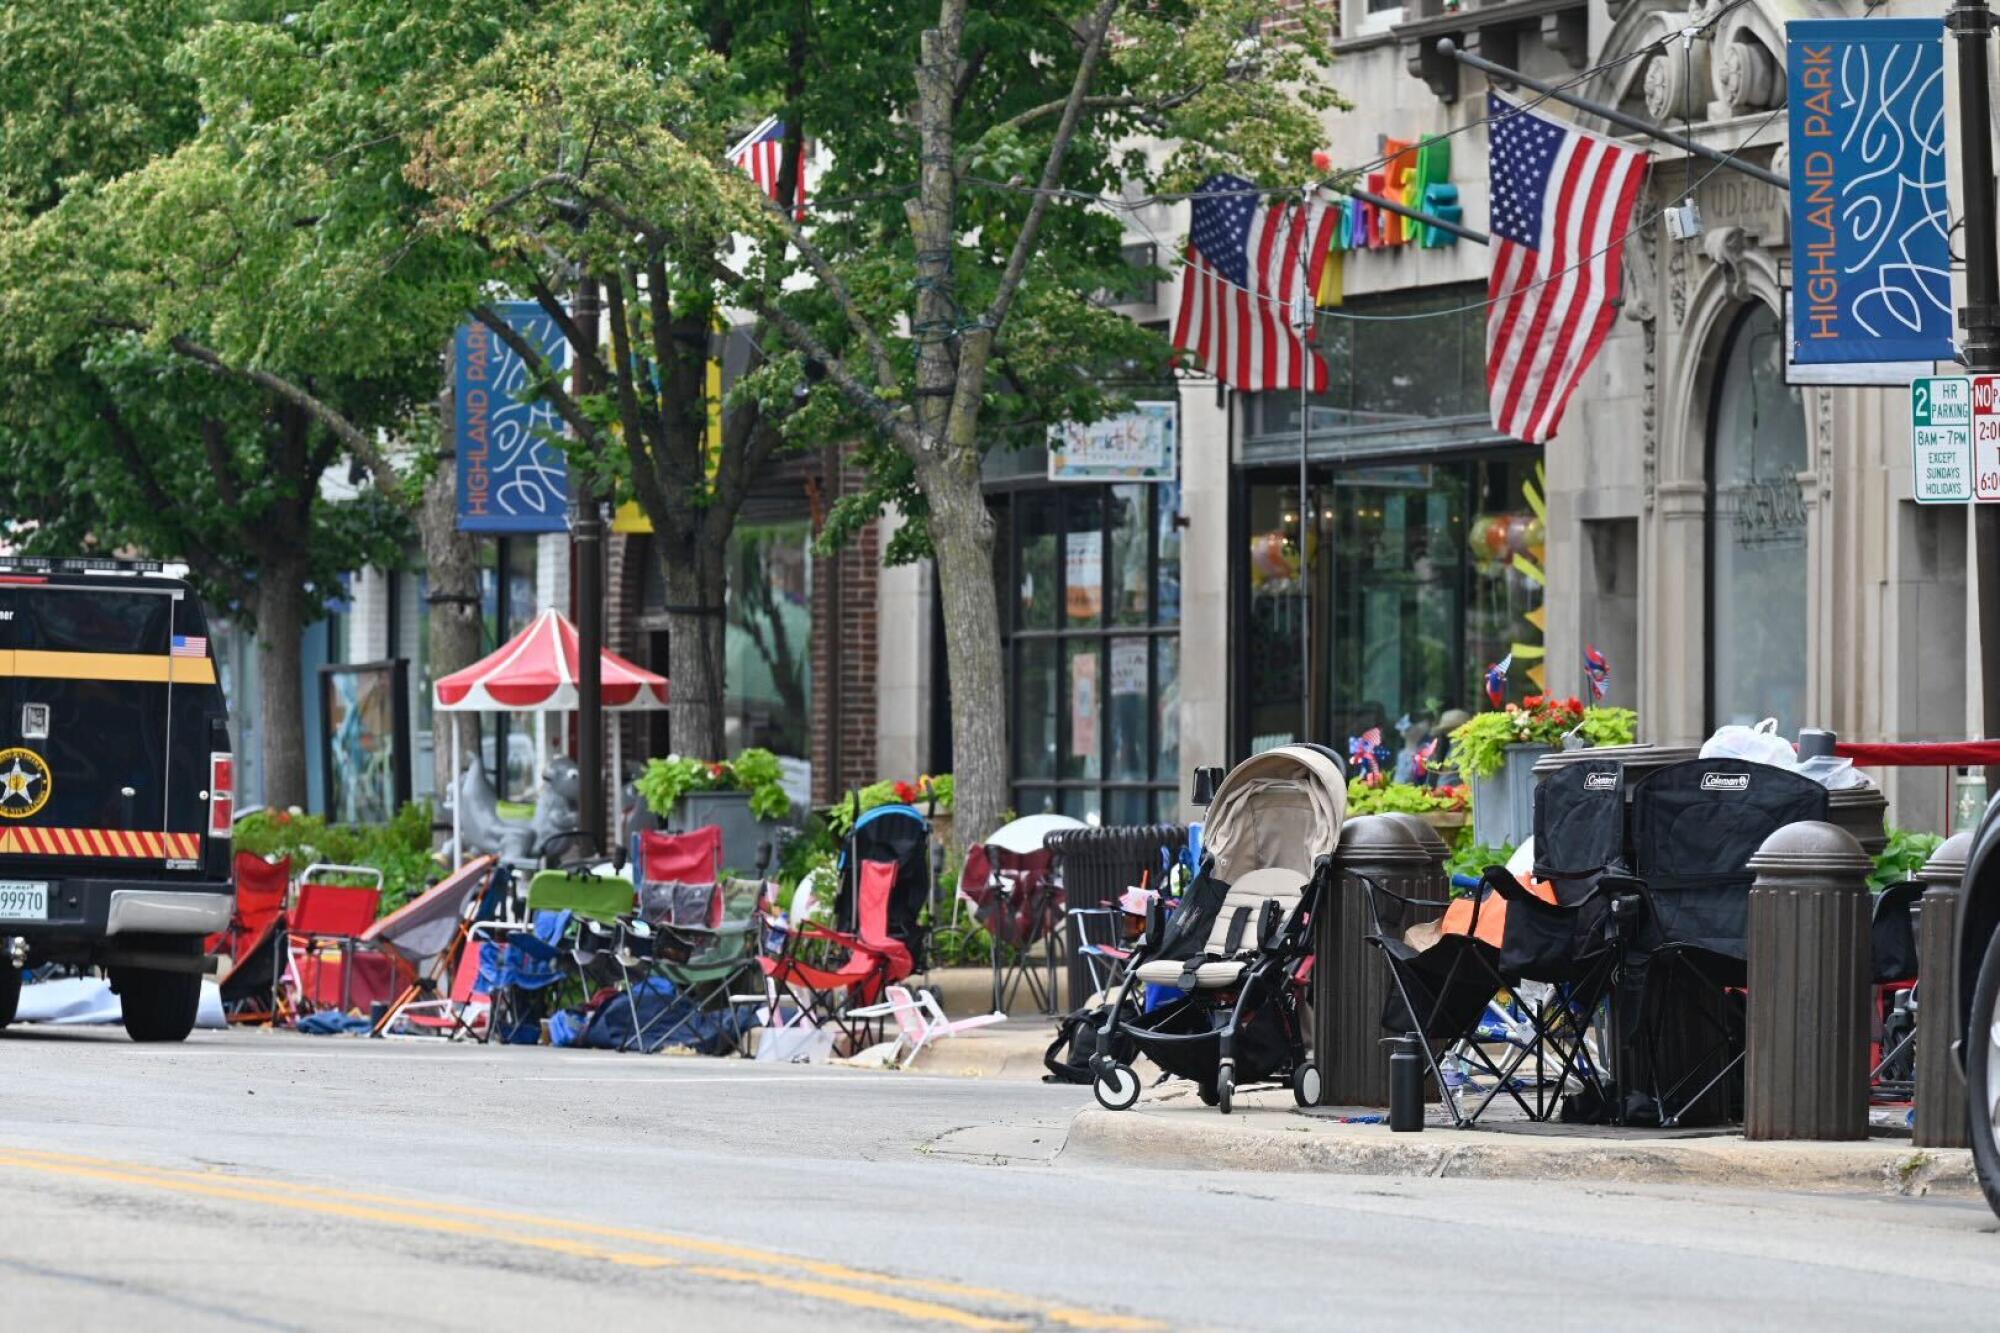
<point>1971,24</point>
<point>587,542</point>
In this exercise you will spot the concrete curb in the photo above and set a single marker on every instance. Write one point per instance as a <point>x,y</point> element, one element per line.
<point>1276,1140</point>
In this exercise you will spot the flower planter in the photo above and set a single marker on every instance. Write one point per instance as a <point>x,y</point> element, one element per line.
<point>742,832</point>
<point>1503,806</point>
<point>1446,821</point>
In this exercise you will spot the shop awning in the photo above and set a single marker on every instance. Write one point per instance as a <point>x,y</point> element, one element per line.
<point>536,671</point>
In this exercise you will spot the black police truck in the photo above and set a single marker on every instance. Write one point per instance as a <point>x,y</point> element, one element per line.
<point>115,784</point>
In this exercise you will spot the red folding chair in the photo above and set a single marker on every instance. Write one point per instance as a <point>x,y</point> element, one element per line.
<point>829,973</point>
<point>327,921</point>
<point>694,857</point>
<point>254,940</point>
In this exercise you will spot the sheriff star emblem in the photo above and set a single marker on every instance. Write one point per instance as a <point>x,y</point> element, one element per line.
<point>24,783</point>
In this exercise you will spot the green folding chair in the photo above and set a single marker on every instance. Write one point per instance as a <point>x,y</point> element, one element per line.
<point>708,977</point>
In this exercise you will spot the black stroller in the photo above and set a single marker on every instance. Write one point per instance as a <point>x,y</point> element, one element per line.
<point>1240,943</point>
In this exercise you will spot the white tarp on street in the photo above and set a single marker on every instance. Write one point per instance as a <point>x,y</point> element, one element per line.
<point>83,1000</point>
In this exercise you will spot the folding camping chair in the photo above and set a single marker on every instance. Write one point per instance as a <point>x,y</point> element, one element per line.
<point>255,939</point>
<point>1017,897</point>
<point>431,935</point>
<point>1565,932</point>
<point>327,921</point>
<point>831,973</point>
<point>725,948</point>
<point>1695,826</point>
<point>920,1020</point>
<point>462,1010</point>
<point>518,969</point>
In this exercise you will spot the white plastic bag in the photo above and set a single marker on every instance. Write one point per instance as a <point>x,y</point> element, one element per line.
<point>1834,774</point>
<point>1760,744</point>
<point>795,1045</point>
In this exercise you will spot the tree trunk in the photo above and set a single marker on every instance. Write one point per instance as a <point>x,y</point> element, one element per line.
<point>962,530</point>
<point>452,558</point>
<point>694,583</point>
<point>280,666</point>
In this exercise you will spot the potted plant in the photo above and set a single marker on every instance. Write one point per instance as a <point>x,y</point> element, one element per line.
<point>1443,808</point>
<point>1497,751</point>
<point>744,796</point>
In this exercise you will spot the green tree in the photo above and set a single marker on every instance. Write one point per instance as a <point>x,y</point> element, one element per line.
<point>134,242</point>
<point>948,295</point>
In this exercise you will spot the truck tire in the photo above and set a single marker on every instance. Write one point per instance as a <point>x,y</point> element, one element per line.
<point>10,993</point>
<point>1982,1074</point>
<point>158,1006</point>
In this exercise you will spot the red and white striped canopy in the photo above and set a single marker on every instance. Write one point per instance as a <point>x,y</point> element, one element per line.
<point>537,672</point>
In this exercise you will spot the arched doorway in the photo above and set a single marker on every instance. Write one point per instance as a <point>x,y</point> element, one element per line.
<point>1756,531</point>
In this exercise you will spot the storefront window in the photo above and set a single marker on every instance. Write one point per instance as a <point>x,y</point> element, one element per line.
<point>1417,576</point>
<point>767,674</point>
<point>1757,533</point>
<point>1091,648</point>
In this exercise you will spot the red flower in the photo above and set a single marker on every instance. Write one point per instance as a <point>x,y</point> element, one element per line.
<point>282,816</point>
<point>715,771</point>
<point>905,792</point>
<point>1534,701</point>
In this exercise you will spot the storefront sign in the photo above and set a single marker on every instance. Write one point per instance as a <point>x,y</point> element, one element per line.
<point>1140,445</point>
<point>1416,174</point>
<point>1128,667</point>
<point>1083,706</point>
<point>1083,575</point>
<point>1941,438</point>
<point>1986,437</point>
<point>512,476</point>
<point>1870,219</point>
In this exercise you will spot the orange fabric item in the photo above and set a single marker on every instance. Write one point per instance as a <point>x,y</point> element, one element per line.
<point>1492,923</point>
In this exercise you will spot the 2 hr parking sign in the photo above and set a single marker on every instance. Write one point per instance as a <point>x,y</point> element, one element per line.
<point>1942,420</point>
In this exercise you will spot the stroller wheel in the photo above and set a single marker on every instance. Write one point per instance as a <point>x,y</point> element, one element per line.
<point>1225,1090</point>
<point>1117,1087</point>
<point>1305,1084</point>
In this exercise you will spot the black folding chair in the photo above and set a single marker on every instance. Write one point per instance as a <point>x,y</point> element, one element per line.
<point>1695,826</point>
<point>1893,937</point>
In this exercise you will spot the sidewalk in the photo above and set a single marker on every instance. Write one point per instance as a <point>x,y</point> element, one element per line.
<point>1172,1130</point>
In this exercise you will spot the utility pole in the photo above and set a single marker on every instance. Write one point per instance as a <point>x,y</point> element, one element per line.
<point>587,544</point>
<point>1970,23</point>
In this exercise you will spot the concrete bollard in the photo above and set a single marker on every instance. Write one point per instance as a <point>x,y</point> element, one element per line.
<point>1806,1072</point>
<point>1940,1091</point>
<point>1350,980</point>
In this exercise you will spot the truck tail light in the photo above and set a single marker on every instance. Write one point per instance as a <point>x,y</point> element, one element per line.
<point>221,796</point>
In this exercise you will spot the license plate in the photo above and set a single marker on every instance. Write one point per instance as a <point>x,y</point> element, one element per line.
<point>23,901</point>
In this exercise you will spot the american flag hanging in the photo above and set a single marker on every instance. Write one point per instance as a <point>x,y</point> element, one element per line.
<point>761,154</point>
<point>1243,279</point>
<point>1562,204</point>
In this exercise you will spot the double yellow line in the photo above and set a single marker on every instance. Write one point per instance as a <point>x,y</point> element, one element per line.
<point>921,1299</point>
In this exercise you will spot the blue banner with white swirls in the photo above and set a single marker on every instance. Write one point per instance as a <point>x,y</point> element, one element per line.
<point>512,476</point>
<point>1871,247</point>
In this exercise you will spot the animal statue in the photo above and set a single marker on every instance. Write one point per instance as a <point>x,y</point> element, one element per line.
<point>485,829</point>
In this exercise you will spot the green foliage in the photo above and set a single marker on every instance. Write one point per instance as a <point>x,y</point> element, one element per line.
<point>756,771</point>
<point>1902,857</point>
<point>400,849</point>
<point>1400,798</point>
<point>961,943</point>
<point>1603,725</point>
<point>1479,747</point>
<point>1471,858</point>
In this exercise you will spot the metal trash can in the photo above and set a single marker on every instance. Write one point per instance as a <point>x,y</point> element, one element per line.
<point>1350,981</point>
<point>1940,1090</point>
<point>1806,1071</point>
<point>1435,847</point>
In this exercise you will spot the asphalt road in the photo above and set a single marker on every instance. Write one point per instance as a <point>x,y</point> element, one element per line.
<point>252,1180</point>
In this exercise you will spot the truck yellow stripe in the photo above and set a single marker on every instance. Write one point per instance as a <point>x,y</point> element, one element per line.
<point>146,668</point>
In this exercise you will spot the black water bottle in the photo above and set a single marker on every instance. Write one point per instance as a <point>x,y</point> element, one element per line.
<point>1406,1085</point>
